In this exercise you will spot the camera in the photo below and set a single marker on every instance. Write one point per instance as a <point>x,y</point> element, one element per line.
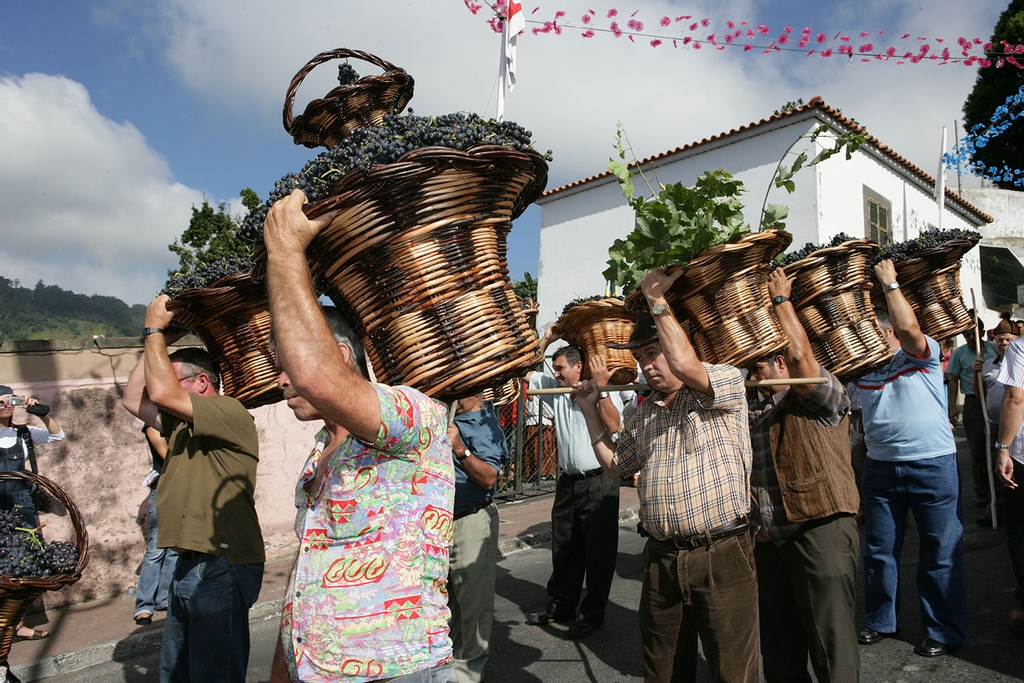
<point>16,401</point>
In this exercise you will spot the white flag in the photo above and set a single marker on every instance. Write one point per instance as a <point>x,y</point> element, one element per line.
<point>515,23</point>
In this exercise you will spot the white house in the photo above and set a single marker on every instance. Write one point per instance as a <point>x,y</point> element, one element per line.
<point>877,194</point>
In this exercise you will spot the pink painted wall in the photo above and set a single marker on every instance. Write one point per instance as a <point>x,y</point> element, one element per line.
<point>102,461</point>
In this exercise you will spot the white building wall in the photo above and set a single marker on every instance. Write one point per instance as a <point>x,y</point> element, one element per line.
<point>578,225</point>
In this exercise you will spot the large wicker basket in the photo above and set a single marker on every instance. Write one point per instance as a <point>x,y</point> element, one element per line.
<point>503,394</point>
<point>16,594</point>
<point>723,296</point>
<point>831,290</point>
<point>325,122</point>
<point>232,318</point>
<point>591,325</point>
<point>930,281</point>
<point>417,257</point>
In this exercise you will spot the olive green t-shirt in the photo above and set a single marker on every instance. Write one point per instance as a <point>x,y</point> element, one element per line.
<point>204,498</point>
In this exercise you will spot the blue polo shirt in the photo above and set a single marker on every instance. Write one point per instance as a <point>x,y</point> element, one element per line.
<point>904,404</point>
<point>481,433</point>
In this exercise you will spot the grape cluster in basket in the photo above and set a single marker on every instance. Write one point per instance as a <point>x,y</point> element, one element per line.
<point>384,144</point>
<point>933,237</point>
<point>808,249</point>
<point>205,275</point>
<point>577,302</point>
<point>24,553</point>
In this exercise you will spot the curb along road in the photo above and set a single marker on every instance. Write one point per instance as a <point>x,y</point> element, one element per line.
<point>147,641</point>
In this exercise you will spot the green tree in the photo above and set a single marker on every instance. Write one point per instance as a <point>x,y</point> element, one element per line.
<point>525,288</point>
<point>212,235</point>
<point>990,91</point>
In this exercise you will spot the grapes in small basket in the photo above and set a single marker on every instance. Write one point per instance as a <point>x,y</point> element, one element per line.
<point>24,553</point>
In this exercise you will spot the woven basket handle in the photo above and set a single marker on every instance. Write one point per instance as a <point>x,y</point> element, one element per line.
<point>339,53</point>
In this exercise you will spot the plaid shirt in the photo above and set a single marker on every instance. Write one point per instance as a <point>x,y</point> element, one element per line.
<point>693,457</point>
<point>829,404</point>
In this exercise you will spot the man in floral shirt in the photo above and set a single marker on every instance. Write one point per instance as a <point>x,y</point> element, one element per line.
<point>367,599</point>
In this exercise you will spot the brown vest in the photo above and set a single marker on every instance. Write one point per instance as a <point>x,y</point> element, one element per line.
<point>812,463</point>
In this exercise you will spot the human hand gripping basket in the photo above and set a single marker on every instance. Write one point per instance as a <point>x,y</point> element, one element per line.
<point>831,295</point>
<point>591,325</point>
<point>723,296</point>
<point>930,281</point>
<point>232,318</point>
<point>17,593</point>
<point>417,255</point>
<point>326,121</point>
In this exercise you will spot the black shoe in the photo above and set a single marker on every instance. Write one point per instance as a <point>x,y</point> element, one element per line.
<point>546,617</point>
<point>144,619</point>
<point>870,636</point>
<point>581,629</point>
<point>931,648</point>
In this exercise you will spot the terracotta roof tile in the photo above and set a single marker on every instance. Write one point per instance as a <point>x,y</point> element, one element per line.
<point>816,103</point>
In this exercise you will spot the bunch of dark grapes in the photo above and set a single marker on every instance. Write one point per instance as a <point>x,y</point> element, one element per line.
<point>346,74</point>
<point>384,144</point>
<point>808,249</point>
<point>60,557</point>
<point>23,553</point>
<point>205,275</point>
<point>933,237</point>
<point>577,302</point>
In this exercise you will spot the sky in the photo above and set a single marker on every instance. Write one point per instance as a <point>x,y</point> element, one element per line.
<point>117,117</point>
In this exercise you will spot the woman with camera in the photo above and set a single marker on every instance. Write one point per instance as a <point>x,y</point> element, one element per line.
<point>16,446</point>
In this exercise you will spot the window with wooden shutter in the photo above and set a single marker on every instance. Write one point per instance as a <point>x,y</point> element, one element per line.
<point>877,217</point>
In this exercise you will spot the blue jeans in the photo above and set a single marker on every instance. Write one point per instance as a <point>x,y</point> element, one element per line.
<point>157,570</point>
<point>206,636</point>
<point>930,490</point>
<point>442,673</point>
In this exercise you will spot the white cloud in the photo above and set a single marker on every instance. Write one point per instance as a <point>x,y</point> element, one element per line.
<point>572,90</point>
<point>87,204</point>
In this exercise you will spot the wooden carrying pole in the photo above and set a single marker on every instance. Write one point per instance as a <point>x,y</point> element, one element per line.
<point>644,387</point>
<point>979,391</point>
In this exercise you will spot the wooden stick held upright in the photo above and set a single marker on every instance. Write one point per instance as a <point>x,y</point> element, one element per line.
<point>979,391</point>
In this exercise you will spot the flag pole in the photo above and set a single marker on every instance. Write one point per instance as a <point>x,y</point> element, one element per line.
<point>940,181</point>
<point>502,72</point>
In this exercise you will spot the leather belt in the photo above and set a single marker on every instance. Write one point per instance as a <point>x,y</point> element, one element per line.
<point>472,509</point>
<point>583,475</point>
<point>694,541</point>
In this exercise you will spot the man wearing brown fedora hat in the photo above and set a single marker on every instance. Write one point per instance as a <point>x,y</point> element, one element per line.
<point>691,445</point>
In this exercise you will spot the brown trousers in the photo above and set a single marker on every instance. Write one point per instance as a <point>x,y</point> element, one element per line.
<point>712,590</point>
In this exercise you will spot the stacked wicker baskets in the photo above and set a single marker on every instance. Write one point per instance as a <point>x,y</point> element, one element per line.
<point>232,318</point>
<point>417,252</point>
<point>326,121</point>
<point>591,325</point>
<point>931,283</point>
<point>723,297</point>
<point>831,295</point>
<point>18,593</point>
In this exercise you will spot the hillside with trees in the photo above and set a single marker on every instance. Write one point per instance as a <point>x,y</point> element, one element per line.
<point>49,312</point>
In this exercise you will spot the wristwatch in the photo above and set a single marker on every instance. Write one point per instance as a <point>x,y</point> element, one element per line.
<point>465,454</point>
<point>146,331</point>
<point>1001,447</point>
<point>604,394</point>
<point>779,299</point>
<point>658,309</point>
<point>892,285</point>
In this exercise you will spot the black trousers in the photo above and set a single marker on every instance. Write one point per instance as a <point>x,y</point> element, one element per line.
<point>584,545</point>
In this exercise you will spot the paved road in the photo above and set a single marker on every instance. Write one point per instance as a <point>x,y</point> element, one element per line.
<point>526,654</point>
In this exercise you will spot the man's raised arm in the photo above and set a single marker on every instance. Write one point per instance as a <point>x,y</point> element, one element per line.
<point>319,369</point>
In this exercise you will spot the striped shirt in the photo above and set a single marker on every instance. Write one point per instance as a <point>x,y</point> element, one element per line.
<point>1012,374</point>
<point>693,457</point>
<point>829,403</point>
